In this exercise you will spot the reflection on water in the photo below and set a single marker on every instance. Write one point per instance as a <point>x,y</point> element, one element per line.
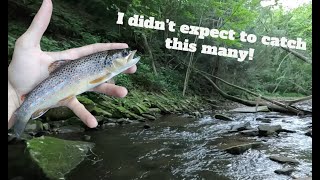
<point>185,148</point>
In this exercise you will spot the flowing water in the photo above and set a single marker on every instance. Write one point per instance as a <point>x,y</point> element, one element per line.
<point>178,147</point>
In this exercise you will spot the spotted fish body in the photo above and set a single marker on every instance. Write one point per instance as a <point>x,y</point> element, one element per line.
<point>70,79</point>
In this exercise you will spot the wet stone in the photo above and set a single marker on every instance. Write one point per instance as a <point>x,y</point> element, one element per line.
<point>283,160</point>
<point>285,171</point>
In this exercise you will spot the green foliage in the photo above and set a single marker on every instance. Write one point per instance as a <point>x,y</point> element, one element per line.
<point>77,23</point>
<point>144,79</point>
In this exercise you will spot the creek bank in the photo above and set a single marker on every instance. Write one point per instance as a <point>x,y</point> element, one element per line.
<point>137,107</point>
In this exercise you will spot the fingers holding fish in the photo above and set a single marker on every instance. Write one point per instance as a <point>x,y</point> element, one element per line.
<point>131,70</point>
<point>111,90</point>
<point>74,77</point>
<point>76,53</point>
<point>80,111</point>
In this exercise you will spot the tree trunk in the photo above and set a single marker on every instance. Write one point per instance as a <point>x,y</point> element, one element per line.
<point>216,68</point>
<point>277,107</point>
<point>298,55</point>
<point>188,72</point>
<point>186,79</point>
<point>146,45</point>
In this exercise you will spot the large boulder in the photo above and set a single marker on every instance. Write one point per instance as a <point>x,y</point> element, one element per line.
<point>57,157</point>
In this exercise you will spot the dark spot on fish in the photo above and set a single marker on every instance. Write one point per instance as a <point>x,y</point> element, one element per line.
<point>125,53</point>
<point>107,61</point>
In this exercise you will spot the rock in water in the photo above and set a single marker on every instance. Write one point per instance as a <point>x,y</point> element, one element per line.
<point>57,157</point>
<point>305,178</point>
<point>59,113</point>
<point>148,116</point>
<point>34,126</point>
<point>250,132</point>
<point>265,130</point>
<point>309,133</point>
<point>241,127</point>
<point>86,137</point>
<point>69,129</point>
<point>239,149</point>
<point>146,126</point>
<point>284,171</point>
<point>46,126</point>
<point>264,120</point>
<point>283,160</point>
<point>286,130</point>
<point>222,117</point>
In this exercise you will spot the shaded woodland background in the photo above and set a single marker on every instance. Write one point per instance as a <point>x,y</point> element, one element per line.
<point>274,71</point>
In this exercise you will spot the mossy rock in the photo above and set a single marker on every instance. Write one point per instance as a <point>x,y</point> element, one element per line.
<point>163,107</point>
<point>57,157</point>
<point>100,112</point>
<point>185,108</point>
<point>149,116</point>
<point>85,101</point>
<point>137,110</point>
<point>142,106</point>
<point>59,113</point>
<point>127,113</point>
<point>153,111</point>
<point>73,121</point>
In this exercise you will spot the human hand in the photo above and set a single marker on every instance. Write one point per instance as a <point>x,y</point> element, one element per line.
<point>29,66</point>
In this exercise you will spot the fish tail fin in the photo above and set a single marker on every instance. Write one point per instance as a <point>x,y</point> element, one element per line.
<point>20,122</point>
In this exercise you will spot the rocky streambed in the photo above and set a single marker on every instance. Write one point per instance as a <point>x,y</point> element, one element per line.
<point>200,145</point>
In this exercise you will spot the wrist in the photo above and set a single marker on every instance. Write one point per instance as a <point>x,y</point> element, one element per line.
<point>13,100</point>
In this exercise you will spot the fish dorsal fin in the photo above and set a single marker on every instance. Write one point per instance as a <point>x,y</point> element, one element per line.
<point>55,65</point>
<point>39,113</point>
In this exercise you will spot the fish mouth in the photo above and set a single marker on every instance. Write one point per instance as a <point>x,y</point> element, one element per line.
<point>127,60</point>
<point>131,55</point>
<point>131,59</point>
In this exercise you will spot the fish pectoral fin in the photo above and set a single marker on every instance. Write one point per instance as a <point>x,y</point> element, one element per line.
<point>23,97</point>
<point>66,99</point>
<point>39,113</point>
<point>100,79</point>
<point>111,81</point>
<point>55,65</point>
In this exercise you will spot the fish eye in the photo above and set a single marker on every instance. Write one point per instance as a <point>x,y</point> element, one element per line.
<point>125,53</point>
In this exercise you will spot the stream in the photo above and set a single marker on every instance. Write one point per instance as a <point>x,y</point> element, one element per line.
<point>180,147</point>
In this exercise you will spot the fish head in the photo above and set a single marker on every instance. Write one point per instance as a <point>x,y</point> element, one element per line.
<point>118,61</point>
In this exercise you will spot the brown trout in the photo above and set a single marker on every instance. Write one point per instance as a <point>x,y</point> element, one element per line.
<point>68,79</point>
